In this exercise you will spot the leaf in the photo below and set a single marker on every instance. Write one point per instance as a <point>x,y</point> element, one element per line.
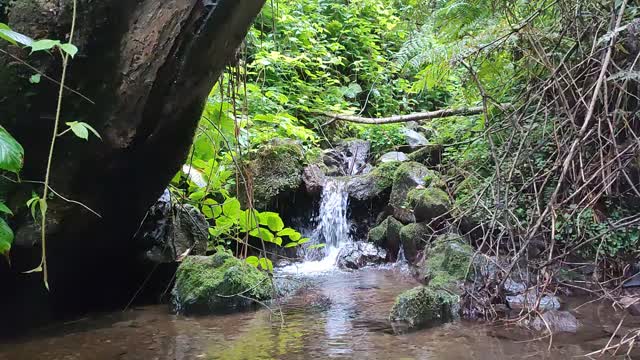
<point>278,241</point>
<point>11,152</point>
<point>248,220</point>
<point>231,208</point>
<point>43,45</point>
<point>6,237</point>
<point>272,220</point>
<point>5,209</point>
<point>288,232</point>
<point>35,79</point>
<point>253,261</point>
<point>263,234</point>
<point>303,241</point>
<point>43,207</point>
<point>81,130</point>
<point>317,246</point>
<point>266,264</point>
<point>14,37</point>
<point>291,244</point>
<point>70,49</point>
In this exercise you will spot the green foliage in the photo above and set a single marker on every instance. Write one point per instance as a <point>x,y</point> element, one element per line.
<point>81,130</point>
<point>383,138</point>
<point>11,152</point>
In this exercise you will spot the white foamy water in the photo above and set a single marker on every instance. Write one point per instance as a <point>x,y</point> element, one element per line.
<point>332,230</point>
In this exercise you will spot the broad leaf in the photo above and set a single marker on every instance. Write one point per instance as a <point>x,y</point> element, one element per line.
<point>14,37</point>
<point>5,209</point>
<point>303,241</point>
<point>266,264</point>
<point>291,244</point>
<point>272,220</point>
<point>35,79</point>
<point>253,261</point>
<point>248,220</point>
<point>6,237</point>
<point>43,45</point>
<point>81,129</point>
<point>11,152</point>
<point>263,234</point>
<point>70,49</point>
<point>231,208</point>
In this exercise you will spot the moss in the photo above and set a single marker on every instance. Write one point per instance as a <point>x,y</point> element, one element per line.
<point>209,283</point>
<point>407,177</point>
<point>448,261</point>
<point>378,234</point>
<point>277,169</point>
<point>429,203</point>
<point>424,306</point>
<point>384,174</point>
<point>413,238</point>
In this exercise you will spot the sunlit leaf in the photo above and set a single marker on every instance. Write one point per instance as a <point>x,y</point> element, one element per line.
<point>266,264</point>
<point>263,234</point>
<point>6,237</point>
<point>11,152</point>
<point>253,261</point>
<point>70,49</point>
<point>35,79</point>
<point>14,37</point>
<point>43,45</point>
<point>231,208</point>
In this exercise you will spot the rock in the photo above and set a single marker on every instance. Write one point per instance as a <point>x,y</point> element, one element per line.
<point>514,287</point>
<point>430,155</point>
<point>556,321</point>
<point>447,261</point>
<point>374,183</point>
<point>393,156</point>
<point>313,178</point>
<point>413,138</point>
<point>428,204</point>
<point>360,254</point>
<point>277,169</point>
<point>631,300</point>
<point>171,230</point>
<point>210,284</point>
<point>425,306</point>
<point>349,157</point>
<point>407,177</point>
<point>414,237</point>
<point>529,298</point>
<point>387,236</point>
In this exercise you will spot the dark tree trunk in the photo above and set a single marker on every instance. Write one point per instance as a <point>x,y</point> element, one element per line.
<point>148,65</point>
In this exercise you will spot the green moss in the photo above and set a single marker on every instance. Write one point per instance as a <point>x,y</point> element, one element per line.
<point>378,234</point>
<point>429,203</point>
<point>448,261</point>
<point>414,237</point>
<point>407,177</point>
<point>384,174</point>
<point>209,283</point>
<point>277,169</point>
<point>423,306</point>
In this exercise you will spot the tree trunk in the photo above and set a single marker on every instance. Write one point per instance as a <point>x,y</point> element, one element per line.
<point>147,66</point>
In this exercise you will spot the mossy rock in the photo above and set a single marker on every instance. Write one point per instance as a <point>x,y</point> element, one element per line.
<point>371,185</point>
<point>425,306</point>
<point>387,235</point>
<point>428,204</point>
<point>277,169</point>
<point>212,284</point>
<point>408,176</point>
<point>430,155</point>
<point>447,262</point>
<point>413,238</point>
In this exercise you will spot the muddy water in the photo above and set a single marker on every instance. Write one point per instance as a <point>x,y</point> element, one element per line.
<point>342,316</point>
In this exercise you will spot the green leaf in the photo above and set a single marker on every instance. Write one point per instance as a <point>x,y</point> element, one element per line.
<point>5,209</point>
<point>248,220</point>
<point>272,220</point>
<point>6,237</point>
<point>44,44</point>
<point>317,246</point>
<point>35,79</point>
<point>303,241</point>
<point>70,49</point>
<point>14,37</point>
<point>253,261</point>
<point>291,244</point>
<point>11,152</point>
<point>263,234</point>
<point>266,264</point>
<point>278,241</point>
<point>231,208</point>
<point>287,232</point>
<point>81,129</point>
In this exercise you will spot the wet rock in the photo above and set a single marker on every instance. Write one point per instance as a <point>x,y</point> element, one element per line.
<point>393,156</point>
<point>413,138</point>
<point>277,169</point>
<point>512,287</point>
<point>374,183</point>
<point>314,178</point>
<point>414,237</point>
<point>528,300</point>
<point>631,300</point>
<point>212,284</point>
<point>349,157</point>
<point>428,204</point>
<point>447,261</point>
<point>360,254</point>
<point>424,306</point>
<point>556,321</point>
<point>387,236</point>
<point>171,230</point>
<point>407,177</point>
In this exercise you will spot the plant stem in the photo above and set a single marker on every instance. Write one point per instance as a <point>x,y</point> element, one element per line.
<point>45,192</point>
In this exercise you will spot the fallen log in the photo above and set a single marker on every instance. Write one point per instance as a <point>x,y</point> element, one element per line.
<point>421,116</point>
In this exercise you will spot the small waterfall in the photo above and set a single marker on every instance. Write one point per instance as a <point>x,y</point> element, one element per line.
<point>332,230</point>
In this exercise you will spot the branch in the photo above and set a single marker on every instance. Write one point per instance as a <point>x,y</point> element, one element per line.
<point>405,118</point>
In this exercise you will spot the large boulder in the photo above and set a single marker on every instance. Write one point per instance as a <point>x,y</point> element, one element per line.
<point>171,230</point>
<point>348,157</point>
<point>425,306</point>
<point>413,238</point>
<point>218,283</point>
<point>413,138</point>
<point>387,236</point>
<point>277,169</point>
<point>428,204</point>
<point>447,261</point>
<point>359,254</point>
<point>314,178</point>
<point>555,322</point>
<point>374,183</point>
<point>144,71</point>
<point>408,176</point>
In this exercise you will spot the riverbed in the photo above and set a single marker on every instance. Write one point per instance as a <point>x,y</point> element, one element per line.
<point>341,315</point>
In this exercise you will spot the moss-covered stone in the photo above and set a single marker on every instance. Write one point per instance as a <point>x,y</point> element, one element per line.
<point>276,169</point>
<point>387,235</point>
<point>373,184</point>
<point>414,237</point>
<point>424,306</point>
<point>428,204</point>
<point>408,176</point>
<point>429,155</point>
<point>447,261</point>
<point>212,284</point>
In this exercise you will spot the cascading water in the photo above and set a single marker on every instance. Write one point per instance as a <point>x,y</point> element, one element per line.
<point>332,230</point>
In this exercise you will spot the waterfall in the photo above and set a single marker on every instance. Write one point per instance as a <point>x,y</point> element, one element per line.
<point>332,230</point>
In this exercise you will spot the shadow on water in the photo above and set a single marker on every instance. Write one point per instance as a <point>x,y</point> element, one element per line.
<point>341,315</point>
